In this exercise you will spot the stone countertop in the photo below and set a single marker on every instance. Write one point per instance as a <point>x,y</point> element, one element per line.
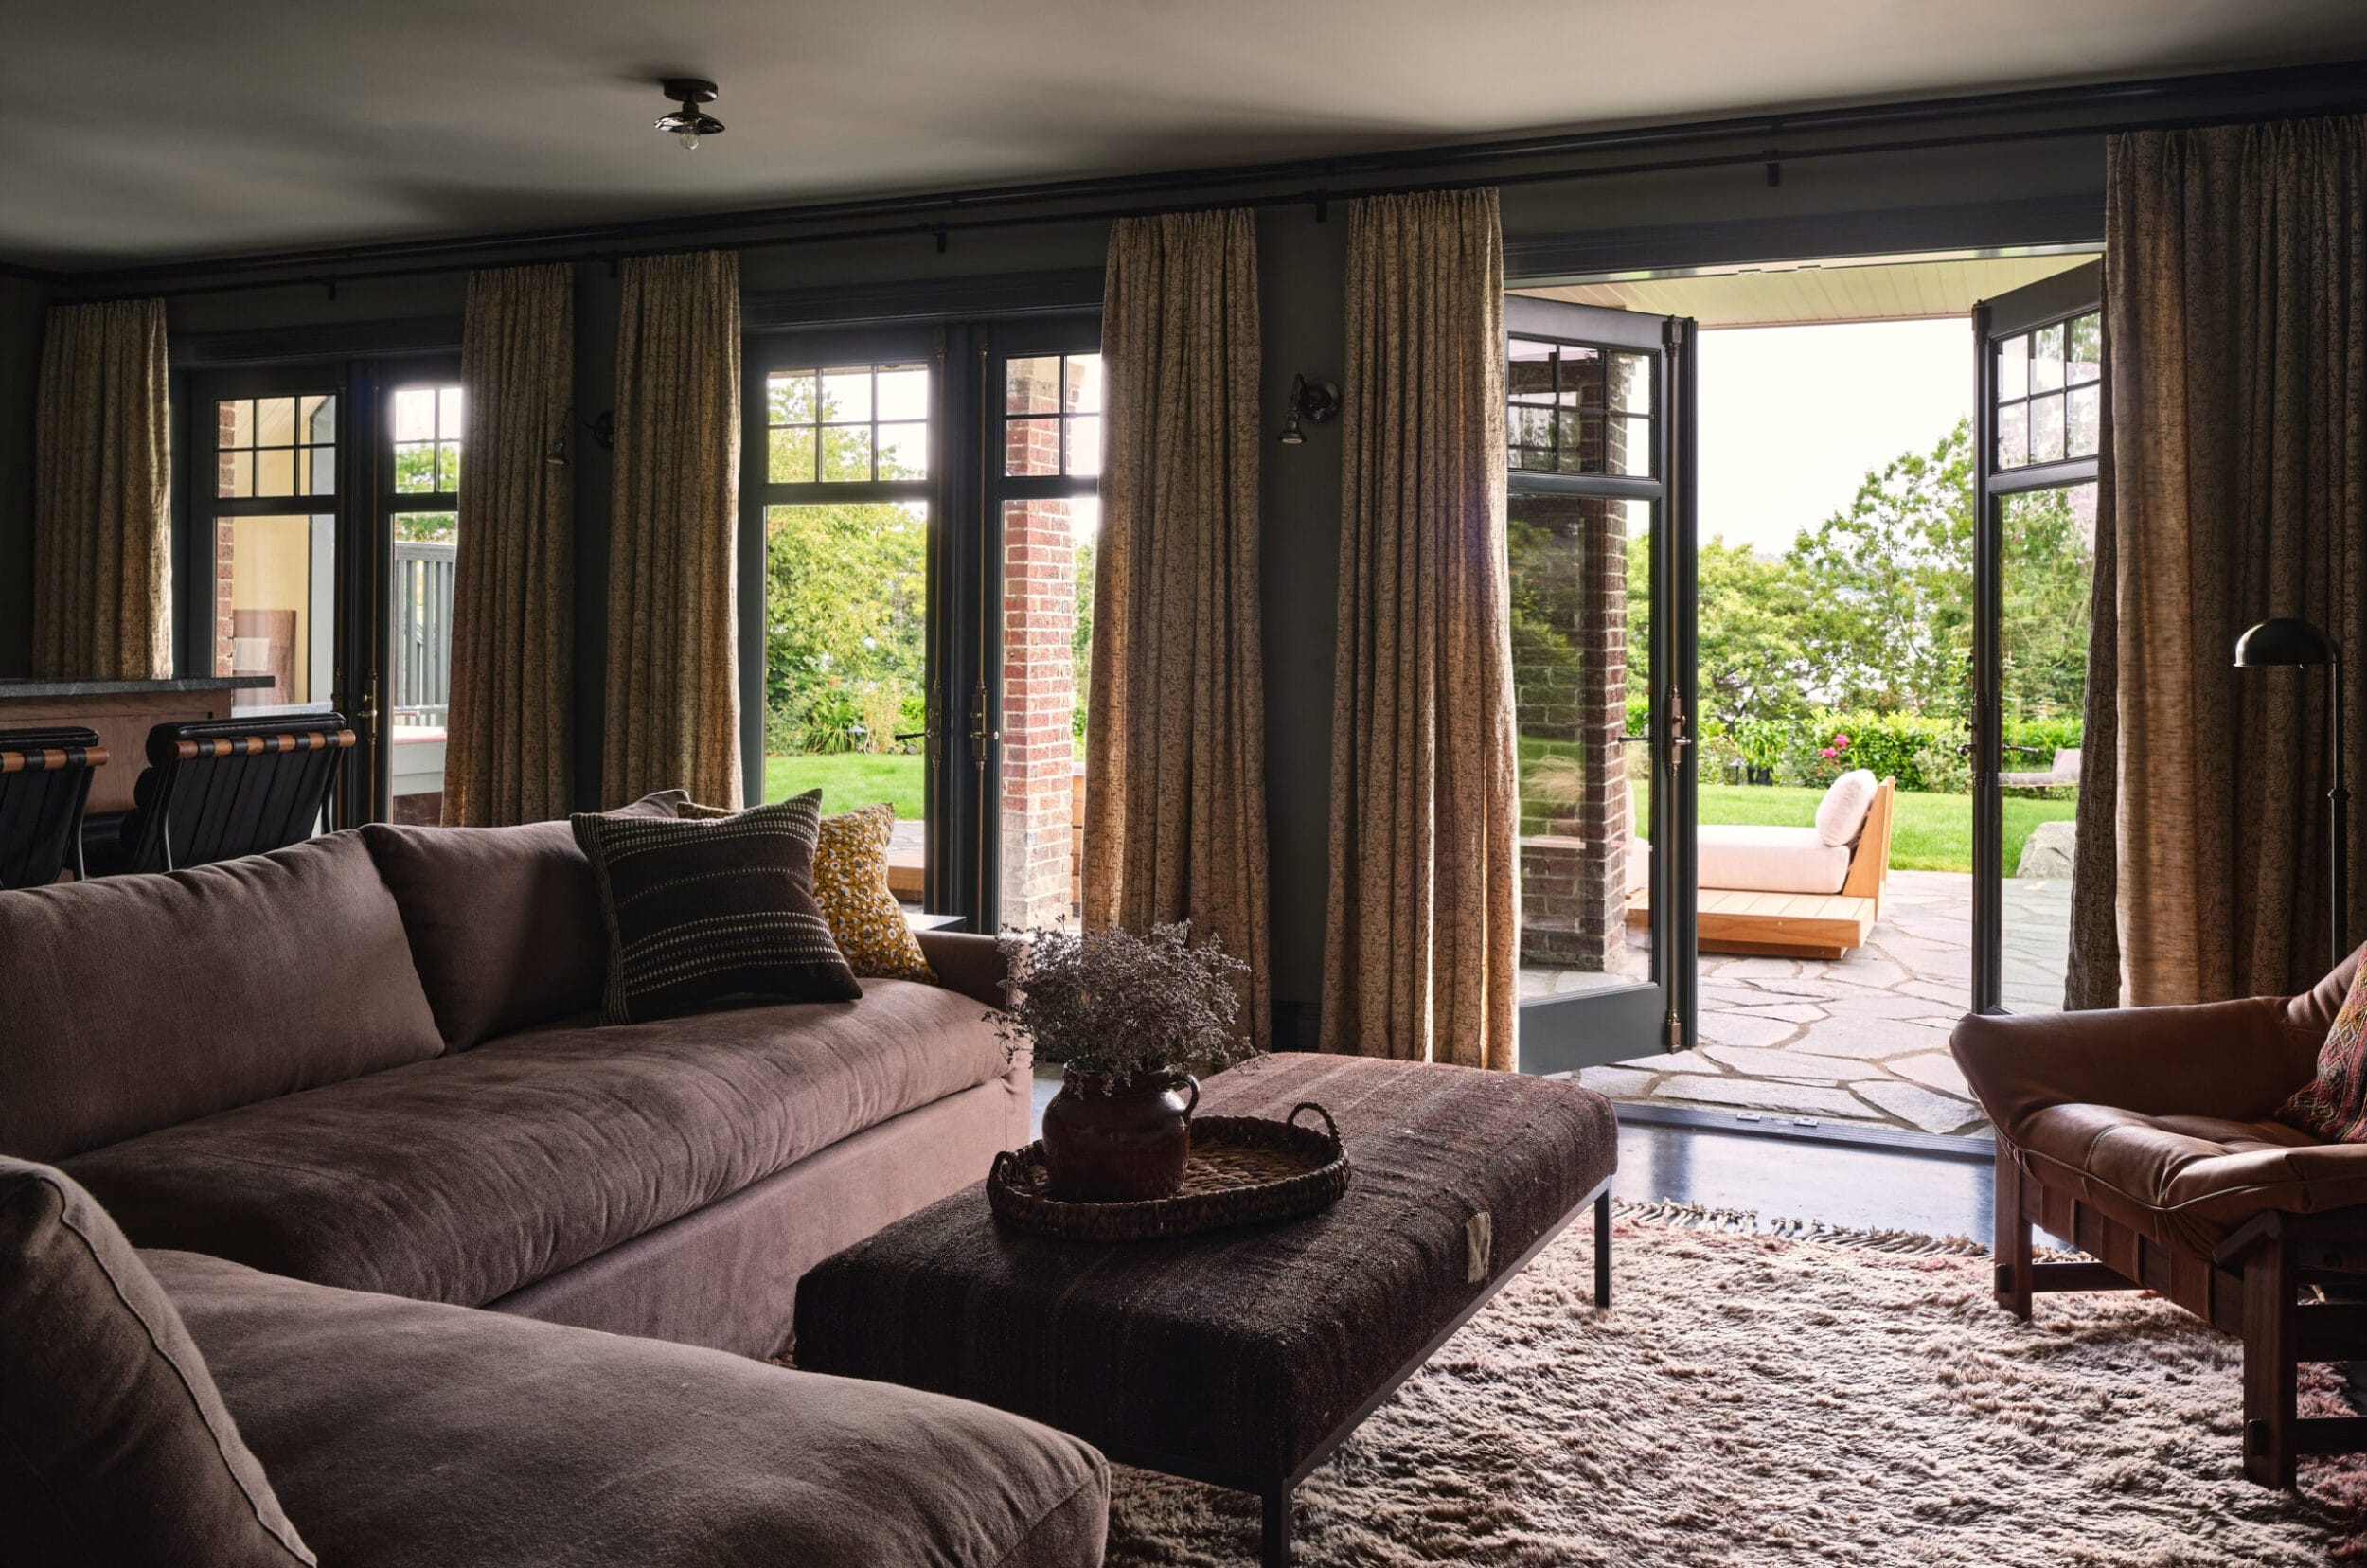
<point>12,686</point>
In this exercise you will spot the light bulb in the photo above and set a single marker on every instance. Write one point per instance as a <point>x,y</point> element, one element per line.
<point>688,136</point>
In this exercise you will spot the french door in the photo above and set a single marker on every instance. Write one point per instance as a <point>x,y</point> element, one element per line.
<point>919,504</point>
<point>2038,417</point>
<point>1600,540</point>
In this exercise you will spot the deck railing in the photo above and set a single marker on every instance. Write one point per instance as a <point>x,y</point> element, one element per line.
<point>423,633</point>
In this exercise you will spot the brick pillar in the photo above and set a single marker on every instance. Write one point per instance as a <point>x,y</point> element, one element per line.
<point>1039,691</point>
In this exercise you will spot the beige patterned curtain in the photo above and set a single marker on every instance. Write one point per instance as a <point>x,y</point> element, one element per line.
<point>102,463</point>
<point>509,732</point>
<point>1175,823</point>
<point>1421,944</point>
<point>673,682</point>
<point>2235,270</point>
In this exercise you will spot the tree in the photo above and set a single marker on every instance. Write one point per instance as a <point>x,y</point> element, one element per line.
<point>2046,566</point>
<point>1753,662</point>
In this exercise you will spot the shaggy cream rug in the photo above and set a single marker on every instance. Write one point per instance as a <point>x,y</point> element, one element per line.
<point>1754,1399</point>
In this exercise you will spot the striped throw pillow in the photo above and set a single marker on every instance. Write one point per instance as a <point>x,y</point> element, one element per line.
<point>701,911</point>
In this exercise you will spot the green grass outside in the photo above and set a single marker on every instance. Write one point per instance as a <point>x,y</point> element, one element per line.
<point>1929,832</point>
<point>853,780</point>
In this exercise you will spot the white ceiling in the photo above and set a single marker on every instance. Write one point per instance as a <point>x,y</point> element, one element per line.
<point>136,130</point>
<point>1821,293</point>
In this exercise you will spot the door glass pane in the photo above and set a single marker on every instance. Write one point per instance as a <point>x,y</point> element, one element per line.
<point>1052,404</point>
<point>1047,635</point>
<point>418,682</point>
<point>845,601</point>
<point>1580,588</point>
<point>848,424</point>
<point>2046,569</point>
<point>1572,408</point>
<point>279,617</point>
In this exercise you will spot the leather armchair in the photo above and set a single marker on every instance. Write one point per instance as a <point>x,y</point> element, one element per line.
<point>2147,1138</point>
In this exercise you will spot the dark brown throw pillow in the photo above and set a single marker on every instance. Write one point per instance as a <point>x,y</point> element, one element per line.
<point>702,911</point>
<point>114,1445</point>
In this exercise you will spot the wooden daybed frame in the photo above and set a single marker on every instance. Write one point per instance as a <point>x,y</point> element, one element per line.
<point>1797,925</point>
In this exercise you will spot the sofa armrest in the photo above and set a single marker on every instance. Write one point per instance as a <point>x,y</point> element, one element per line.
<point>966,962</point>
<point>2238,1059</point>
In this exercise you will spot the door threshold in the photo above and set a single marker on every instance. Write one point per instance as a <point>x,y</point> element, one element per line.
<point>1978,1147</point>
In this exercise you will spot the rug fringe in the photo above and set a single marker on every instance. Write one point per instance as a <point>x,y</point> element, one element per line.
<point>1728,1221</point>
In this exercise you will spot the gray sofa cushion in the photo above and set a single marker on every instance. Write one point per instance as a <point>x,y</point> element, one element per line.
<point>504,922</point>
<point>136,1002</point>
<point>114,1447</point>
<point>411,1435</point>
<point>465,1178</point>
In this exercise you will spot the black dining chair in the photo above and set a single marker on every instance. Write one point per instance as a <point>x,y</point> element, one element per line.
<point>45,784</point>
<point>223,788</point>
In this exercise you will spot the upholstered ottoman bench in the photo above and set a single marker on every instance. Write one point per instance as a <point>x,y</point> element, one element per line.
<point>1240,1358</point>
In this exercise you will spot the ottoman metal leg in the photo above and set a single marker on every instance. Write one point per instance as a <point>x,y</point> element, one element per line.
<point>1275,1550</point>
<point>1602,1248</point>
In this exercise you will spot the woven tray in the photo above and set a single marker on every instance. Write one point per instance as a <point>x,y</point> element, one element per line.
<point>1242,1170</point>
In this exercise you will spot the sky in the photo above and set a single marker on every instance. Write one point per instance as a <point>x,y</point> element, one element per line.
<point>1793,417</point>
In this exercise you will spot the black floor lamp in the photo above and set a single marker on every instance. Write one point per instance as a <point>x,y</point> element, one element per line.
<point>2287,641</point>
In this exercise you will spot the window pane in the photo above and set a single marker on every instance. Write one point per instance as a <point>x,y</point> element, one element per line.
<point>1528,371</point>
<point>2013,368</point>
<point>320,418</point>
<point>1032,447</point>
<point>903,392</point>
<point>1045,610</point>
<point>2086,426</point>
<point>846,397</point>
<point>2013,436</point>
<point>1629,445</point>
<point>282,581</point>
<point>275,421</point>
<point>274,470</point>
<point>448,413</point>
<point>1632,383</point>
<point>903,449</point>
<point>1084,444</point>
<point>415,464</point>
<point>791,398</point>
<point>1084,374</point>
<point>846,449</point>
<point>2046,359</point>
<point>792,461</point>
<point>1579,375</point>
<point>323,461</point>
<point>2046,429</point>
<point>419,661</point>
<point>236,423</point>
<point>2087,349</point>
<point>237,474</point>
<point>1032,387</point>
<point>448,466</point>
<point>414,414</point>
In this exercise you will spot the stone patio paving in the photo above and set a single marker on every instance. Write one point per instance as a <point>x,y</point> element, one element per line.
<point>1859,1040</point>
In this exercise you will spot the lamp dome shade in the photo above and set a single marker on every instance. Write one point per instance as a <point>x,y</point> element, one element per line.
<point>2283,641</point>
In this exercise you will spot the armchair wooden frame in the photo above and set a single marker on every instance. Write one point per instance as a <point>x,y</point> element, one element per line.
<point>2253,1285</point>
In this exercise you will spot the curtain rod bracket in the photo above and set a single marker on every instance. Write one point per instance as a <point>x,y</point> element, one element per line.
<point>1323,209</point>
<point>944,237</point>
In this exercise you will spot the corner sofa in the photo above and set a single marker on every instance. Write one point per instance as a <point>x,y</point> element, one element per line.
<point>365,1068</point>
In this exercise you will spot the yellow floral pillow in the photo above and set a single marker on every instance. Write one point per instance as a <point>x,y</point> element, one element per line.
<point>850,881</point>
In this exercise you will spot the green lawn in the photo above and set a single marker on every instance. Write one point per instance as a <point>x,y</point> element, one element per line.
<point>1929,832</point>
<point>852,779</point>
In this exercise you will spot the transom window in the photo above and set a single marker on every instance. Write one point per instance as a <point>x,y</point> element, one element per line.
<point>1052,416</point>
<point>1574,408</point>
<point>427,440</point>
<point>848,424</point>
<point>2050,393</point>
<point>275,446</point>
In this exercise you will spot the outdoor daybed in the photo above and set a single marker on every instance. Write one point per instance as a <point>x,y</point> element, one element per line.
<point>1787,892</point>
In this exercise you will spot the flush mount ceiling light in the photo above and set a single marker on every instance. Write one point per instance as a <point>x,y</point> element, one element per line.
<point>689,122</point>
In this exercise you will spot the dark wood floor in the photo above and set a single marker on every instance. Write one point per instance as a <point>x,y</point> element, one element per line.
<point>1789,1178</point>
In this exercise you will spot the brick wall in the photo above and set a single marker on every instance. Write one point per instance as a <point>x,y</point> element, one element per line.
<point>225,537</point>
<point>1039,690</point>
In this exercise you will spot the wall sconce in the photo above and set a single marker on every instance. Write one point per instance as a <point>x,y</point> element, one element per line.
<point>1317,402</point>
<point>603,432</point>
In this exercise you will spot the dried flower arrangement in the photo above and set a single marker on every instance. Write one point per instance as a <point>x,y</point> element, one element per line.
<point>1112,1004</point>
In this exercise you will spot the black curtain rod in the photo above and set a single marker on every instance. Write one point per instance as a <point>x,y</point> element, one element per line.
<point>125,283</point>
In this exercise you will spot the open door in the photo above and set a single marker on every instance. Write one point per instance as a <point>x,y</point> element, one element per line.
<point>1599,426</point>
<point>2039,420</point>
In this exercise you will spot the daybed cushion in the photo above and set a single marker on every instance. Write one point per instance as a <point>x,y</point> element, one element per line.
<point>1841,815</point>
<point>409,1435</point>
<point>505,922</point>
<point>1770,860</point>
<point>115,1449</point>
<point>129,1004</point>
<point>465,1178</point>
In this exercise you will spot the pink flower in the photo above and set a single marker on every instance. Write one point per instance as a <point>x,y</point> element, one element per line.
<point>1828,754</point>
<point>1841,741</point>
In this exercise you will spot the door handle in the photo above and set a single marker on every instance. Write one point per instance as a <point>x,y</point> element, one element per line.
<point>1678,739</point>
